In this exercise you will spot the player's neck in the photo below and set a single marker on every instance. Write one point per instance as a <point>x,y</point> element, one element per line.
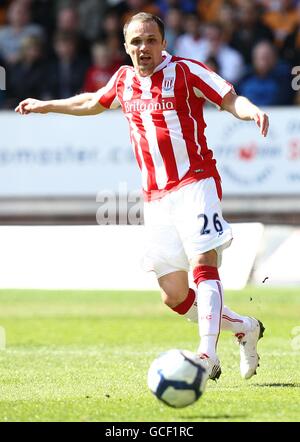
<point>149,72</point>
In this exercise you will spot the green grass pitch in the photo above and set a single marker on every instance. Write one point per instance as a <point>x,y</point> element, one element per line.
<point>84,356</point>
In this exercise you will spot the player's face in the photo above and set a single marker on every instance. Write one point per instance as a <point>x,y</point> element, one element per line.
<point>144,45</point>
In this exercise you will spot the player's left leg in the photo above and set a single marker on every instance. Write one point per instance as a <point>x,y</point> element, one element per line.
<point>213,317</point>
<point>202,229</point>
<point>205,234</point>
<point>182,299</point>
<point>177,295</point>
<point>210,305</point>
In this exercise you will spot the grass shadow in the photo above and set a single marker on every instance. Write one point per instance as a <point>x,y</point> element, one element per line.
<point>217,416</point>
<point>279,384</point>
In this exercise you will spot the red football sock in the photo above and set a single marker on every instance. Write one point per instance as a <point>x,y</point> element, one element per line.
<point>185,305</point>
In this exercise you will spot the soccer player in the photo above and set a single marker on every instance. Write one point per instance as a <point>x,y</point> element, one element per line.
<point>162,98</point>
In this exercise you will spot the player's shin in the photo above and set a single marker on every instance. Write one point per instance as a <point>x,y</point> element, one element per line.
<point>210,305</point>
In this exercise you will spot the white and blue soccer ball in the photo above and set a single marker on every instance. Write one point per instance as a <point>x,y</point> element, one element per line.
<point>177,378</point>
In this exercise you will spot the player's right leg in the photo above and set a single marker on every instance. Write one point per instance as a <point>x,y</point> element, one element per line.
<point>165,256</point>
<point>176,294</point>
<point>247,331</point>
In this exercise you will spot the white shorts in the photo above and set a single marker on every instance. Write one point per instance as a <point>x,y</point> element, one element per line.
<point>182,225</point>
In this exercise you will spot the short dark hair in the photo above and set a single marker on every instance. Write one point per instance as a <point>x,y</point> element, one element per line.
<point>144,17</point>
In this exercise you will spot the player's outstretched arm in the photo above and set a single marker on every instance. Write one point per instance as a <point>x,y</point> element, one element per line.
<point>243,109</point>
<point>83,104</point>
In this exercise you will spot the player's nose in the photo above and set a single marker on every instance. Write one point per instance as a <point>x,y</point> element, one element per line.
<point>143,45</point>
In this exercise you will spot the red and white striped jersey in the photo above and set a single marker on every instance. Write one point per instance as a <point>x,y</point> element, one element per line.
<point>165,115</point>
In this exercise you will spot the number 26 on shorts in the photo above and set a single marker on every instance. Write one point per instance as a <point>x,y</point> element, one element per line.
<point>216,223</point>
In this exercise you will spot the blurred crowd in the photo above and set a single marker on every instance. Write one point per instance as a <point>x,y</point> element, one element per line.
<point>58,48</point>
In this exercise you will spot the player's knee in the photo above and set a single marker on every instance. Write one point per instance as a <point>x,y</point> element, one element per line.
<point>172,299</point>
<point>205,259</point>
<point>174,288</point>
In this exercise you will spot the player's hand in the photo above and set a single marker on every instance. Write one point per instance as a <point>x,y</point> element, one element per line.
<point>262,121</point>
<point>31,105</point>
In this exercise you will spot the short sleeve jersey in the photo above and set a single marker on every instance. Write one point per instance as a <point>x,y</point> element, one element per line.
<point>165,116</point>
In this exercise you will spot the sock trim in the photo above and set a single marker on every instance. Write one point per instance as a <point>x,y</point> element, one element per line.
<point>221,309</point>
<point>184,306</point>
<point>205,273</point>
<point>232,319</point>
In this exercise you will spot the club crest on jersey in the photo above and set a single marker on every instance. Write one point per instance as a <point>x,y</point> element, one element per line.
<point>168,84</point>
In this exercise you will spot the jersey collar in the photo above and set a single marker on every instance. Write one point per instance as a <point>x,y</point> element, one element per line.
<point>166,60</point>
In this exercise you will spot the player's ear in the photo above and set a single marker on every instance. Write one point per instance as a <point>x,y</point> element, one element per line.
<point>126,49</point>
<point>164,44</point>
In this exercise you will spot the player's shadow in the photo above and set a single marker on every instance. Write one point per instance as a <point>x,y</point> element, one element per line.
<point>279,384</point>
<point>215,417</point>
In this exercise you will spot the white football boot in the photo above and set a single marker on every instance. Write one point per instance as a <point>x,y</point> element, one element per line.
<point>249,358</point>
<point>212,366</point>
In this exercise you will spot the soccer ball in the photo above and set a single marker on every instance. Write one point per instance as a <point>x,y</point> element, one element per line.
<point>177,378</point>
